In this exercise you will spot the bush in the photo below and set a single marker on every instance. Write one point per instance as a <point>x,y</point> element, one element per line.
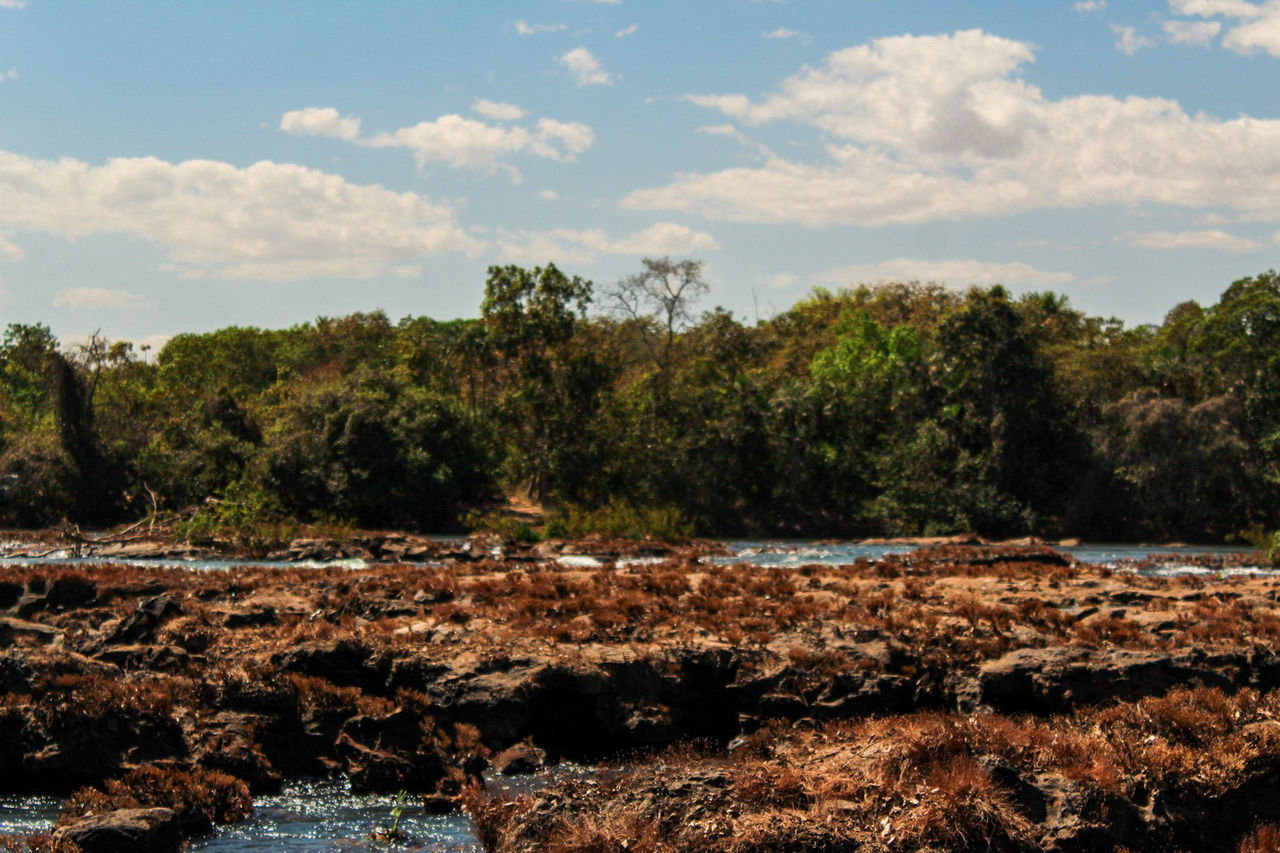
<point>246,516</point>
<point>622,520</point>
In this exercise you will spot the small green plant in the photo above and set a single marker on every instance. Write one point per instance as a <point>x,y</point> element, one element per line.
<point>502,525</point>
<point>245,516</point>
<point>622,520</point>
<point>1266,542</point>
<point>391,834</point>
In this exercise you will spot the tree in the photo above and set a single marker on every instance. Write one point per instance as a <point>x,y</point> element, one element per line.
<point>660,298</point>
<point>549,390</point>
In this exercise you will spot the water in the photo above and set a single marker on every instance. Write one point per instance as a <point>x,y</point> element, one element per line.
<point>318,815</point>
<point>766,554</point>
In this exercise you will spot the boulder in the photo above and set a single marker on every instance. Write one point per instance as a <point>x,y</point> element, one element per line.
<point>141,625</point>
<point>135,830</point>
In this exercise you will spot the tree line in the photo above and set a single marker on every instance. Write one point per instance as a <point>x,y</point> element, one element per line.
<point>890,410</point>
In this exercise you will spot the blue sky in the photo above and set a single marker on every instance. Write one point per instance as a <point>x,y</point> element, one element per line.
<point>169,167</point>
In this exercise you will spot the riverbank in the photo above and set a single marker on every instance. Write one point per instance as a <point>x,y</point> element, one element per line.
<point>417,677</point>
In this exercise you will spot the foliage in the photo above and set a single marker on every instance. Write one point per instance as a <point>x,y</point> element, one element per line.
<point>887,410</point>
<point>621,520</point>
<point>244,516</point>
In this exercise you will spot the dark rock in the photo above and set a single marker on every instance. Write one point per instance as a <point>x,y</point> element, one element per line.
<point>134,830</point>
<point>156,657</point>
<point>14,629</point>
<point>10,594</point>
<point>141,625</point>
<point>69,592</point>
<point>389,752</point>
<point>345,661</point>
<point>255,618</point>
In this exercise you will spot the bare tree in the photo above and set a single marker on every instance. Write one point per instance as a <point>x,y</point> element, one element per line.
<point>660,298</point>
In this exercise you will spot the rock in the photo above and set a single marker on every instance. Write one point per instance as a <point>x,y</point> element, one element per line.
<point>12,629</point>
<point>141,625</point>
<point>524,757</point>
<point>390,752</point>
<point>253,618</point>
<point>157,657</point>
<point>135,830</point>
<point>1053,680</point>
<point>69,592</point>
<point>10,594</point>
<point>345,661</point>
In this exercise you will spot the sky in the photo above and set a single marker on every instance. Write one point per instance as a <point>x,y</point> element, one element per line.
<point>172,167</point>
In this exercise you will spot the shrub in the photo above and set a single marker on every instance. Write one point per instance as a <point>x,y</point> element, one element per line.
<point>622,520</point>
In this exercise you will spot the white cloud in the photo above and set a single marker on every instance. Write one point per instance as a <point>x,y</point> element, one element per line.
<point>457,141</point>
<point>585,67</point>
<point>783,33</point>
<point>1084,7</point>
<point>627,31</point>
<point>1211,8</point>
<point>526,29</point>
<point>782,281</point>
<point>1214,239</point>
<point>13,4</point>
<point>498,111</point>
<point>1128,41</point>
<point>1257,25</point>
<point>567,245</point>
<point>925,128</point>
<point>954,273</point>
<point>665,238</point>
<point>549,195</point>
<point>95,297</point>
<point>407,271</point>
<point>11,74</point>
<point>267,221</point>
<point>320,121</point>
<point>1192,32</point>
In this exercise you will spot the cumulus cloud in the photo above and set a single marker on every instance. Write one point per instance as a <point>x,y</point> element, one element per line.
<point>498,111</point>
<point>13,4</point>
<point>782,281</point>
<point>526,29</point>
<point>1129,42</point>
<point>320,121</point>
<point>629,30</point>
<point>586,69</point>
<point>455,140</point>
<point>1199,33</point>
<point>782,33</point>
<point>1084,7</point>
<point>95,297</point>
<point>266,221</point>
<point>925,128</point>
<point>1255,27</point>
<point>1217,240</point>
<point>567,245</point>
<point>954,273</point>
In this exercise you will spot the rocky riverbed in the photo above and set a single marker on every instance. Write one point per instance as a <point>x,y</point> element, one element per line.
<point>139,691</point>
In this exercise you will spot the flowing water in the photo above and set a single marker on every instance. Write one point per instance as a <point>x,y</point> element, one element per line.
<point>317,815</point>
